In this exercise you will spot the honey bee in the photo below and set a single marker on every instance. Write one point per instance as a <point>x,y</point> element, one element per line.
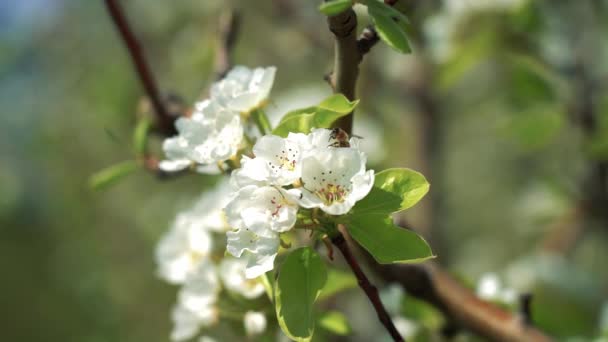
<point>340,136</point>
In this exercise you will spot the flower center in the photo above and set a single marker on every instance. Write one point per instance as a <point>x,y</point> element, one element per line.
<point>331,193</point>
<point>285,160</point>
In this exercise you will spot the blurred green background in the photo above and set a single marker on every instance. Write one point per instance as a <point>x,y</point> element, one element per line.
<point>493,107</point>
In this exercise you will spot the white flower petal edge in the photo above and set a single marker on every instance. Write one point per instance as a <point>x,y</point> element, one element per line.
<point>181,249</point>
<point>254,322</point>
<point>243,89</point>
<point>232,273</point>
<point>259,249</point>
<point>196,303</point>
<point>334,179</point>
<point>262,208</point>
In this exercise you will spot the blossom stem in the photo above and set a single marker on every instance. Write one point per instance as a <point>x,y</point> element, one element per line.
<point>165,119</point>
<point>370,290</point>
<point>261,121</point>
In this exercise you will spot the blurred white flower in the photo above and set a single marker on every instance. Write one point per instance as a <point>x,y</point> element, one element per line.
<point>189,241</point>
<point>334,179</point>
<point>206,339</point>
<point>244,90</point>
<point>182,249</point>
<point>232,273</point>
<point>406,328</point>
<point>489,287</point>
<point>255,323</point>
<point>186,324</point>
<point>196,305</point>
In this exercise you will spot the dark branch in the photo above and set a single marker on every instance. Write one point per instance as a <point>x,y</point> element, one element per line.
<point>164,119</point>
<point>346,60</point>
<point>370,290</point>
<point>525,301</point>
<point>229,25</point>
<point>368,38</point>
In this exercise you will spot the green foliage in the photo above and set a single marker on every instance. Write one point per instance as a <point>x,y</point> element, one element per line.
<point>387,242</point>
<point>535,127</point>
<point>300,280</point>
<point>111,175</point>
<point>140,136</point>
<point>335,7</point>
<point>335,322</point>
<point>337,281</point>
<point>320,116</point>
<point>394,190</point>
<point>390,25</point>
<point>370,222</point>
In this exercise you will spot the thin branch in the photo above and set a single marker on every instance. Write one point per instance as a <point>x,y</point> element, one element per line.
<point>165,120</point>
<point>370,290</point>
<point>460,305</point>
<point>368,38</point>
<point>346,60</point>
<point>229,25</point>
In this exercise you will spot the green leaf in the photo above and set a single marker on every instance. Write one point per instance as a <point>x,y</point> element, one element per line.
<point>268,281</point>
<point>337,281</point>
<point>394,190</point>
<point>390,25</point>
<point>387,10</point>
<point>321,116</point>
<point>335,322</point>
<point>140,136</point>
<point>300,280</point>
<point>386,242</point>
<point>335,7</point>
<point>111,175</point>
<point>338,103</point>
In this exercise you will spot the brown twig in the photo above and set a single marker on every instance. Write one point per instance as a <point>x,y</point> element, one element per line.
<point>460,305</point>
<point>229,24</point>
<point>346,60</point>
<point>370,290</point>
<point>164,119</point>
<point>368,38</point>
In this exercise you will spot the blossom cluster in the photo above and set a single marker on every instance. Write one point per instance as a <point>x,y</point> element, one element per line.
<point>323,169</point>
<point>189,255</point>
<point>214,132</point>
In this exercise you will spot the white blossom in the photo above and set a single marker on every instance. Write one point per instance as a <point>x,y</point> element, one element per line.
<point>262,208</point>
<point>255,323</point>
<point>259,248</point>
<point>490,287</point>
<point>189,240</point>
<point>334,179</point>
<point>212,134</point>
<point>196,305</point>
<point>232,273</point>
<point>277,161</point>
<point>244,90</point>
<point>181,249</point>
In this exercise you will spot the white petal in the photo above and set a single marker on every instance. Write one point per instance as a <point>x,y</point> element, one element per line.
<point>265,84</point>
<point>255,323</point>
<point>258,264</point>
<point>174,165</point>
<point>232,272</point>
<point>186,324</point>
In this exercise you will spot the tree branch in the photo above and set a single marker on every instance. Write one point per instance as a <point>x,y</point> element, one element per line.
<point>370,290</point>
<point>346,60</point>
<point>164,118</point>
<point>459,304</point>
<point>229,25</point>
